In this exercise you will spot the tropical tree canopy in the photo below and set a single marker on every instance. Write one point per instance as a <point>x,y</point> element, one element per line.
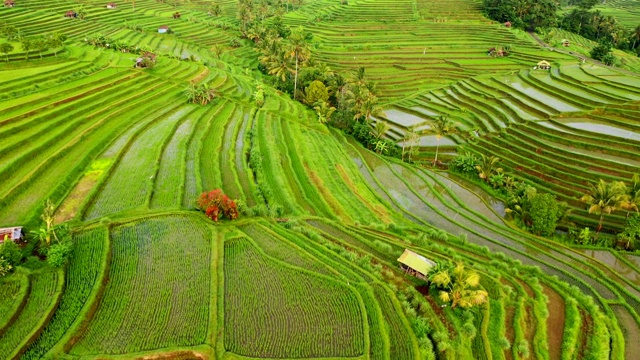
<point>458,286</point>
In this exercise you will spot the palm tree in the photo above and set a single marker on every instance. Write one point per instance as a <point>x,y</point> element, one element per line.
<point>458,285</point>
<point>324,111</point>
<point>371,108</point>
<point>604,198</point>
<point>633,195</point>
<point>81,12</point>
<point>298,49</point>
<point>635,35</point>
<point>442,126</point>
<point>408,142</point>
<point>487,167</point>
<point>380,129</point>
<point>279,65</point>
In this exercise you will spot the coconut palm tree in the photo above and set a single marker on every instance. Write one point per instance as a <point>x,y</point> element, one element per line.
<point>440,127</point>
<point>635,35</point>
<point>458,285</point>
<point>633,195</point>
<point>408,142</point>
<point>368,107</point>
<point>380,129</point>
<point>298,50</point>
<point>279,65</point>
<point>604,198</point>
<point>324,111</point>
<point>487,167</point>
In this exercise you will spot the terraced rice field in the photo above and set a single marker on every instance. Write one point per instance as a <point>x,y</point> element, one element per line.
<point>310,271</point>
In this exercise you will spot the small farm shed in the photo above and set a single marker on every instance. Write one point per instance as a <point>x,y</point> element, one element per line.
<point>566,43</point>
<point>9,3</point>
<point>176,15</point>
<point>11,233</point>
<point>544,65</point>
<point>145,60</point>
<point>507,24</point>
<point>71,14</point>
<point>414,264</point>
<point>163,29</point>
<point>111,5</point>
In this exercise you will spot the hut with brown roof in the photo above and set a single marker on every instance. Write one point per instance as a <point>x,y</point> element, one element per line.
<point>71,14</point>
<point>566,43</point>
<point>176,15</point>
<point>163,29</point>
<point>9,3</point>
<point>507,24</point>
<point>111,6</point>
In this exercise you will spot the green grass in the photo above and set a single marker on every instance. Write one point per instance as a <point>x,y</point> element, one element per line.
<point>145,255</point>
<point>46,287</point>
<point>307,315</point>
<point>81,278</point>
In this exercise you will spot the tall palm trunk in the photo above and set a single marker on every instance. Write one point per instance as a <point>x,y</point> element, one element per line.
<point>295,80</point>
<point>435,161</point>
<point>599,226</point>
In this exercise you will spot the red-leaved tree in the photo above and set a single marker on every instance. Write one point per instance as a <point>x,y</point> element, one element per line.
<point>215,204</point>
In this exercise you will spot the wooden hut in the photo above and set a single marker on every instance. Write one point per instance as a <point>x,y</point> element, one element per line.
<point>71,14</point>
<point>544,65</point>
<point>147,59</point>
<point>176,15</point>
<point>9,3</point>
<point>566,43</point>
<point>11,233</point>
<point>507,24</point>
<point>111,6</point>
<point>414,264</point>
<point>163,29</point>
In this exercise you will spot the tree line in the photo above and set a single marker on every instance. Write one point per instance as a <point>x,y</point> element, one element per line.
<point>591,24</point>
<point>541,213</point>
<point>53,41</point>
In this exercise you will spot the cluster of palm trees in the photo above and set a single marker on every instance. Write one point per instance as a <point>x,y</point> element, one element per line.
<point>201,93</point>
<point>603,198</point>
<point>457,285</point>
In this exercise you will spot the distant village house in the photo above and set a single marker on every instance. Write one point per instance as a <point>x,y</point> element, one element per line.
<point>111,6</point>
<point>507,24</point>
<point>163,29</point>
<point>176,15</point>
<point>9,3</point>
<point>414,264</point>
<point>71,14</point>
<point>11,234</point>
<point>566,43</point>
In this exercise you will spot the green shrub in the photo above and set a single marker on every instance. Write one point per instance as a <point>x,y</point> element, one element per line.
<point>5,267</point>
<point>11,252</point>
<point>382,247</point>
<point>523,348</point>
<point>59,253</point>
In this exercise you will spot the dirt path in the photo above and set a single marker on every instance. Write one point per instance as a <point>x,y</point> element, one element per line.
<point>555,322</point>
<point>579,56</point>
